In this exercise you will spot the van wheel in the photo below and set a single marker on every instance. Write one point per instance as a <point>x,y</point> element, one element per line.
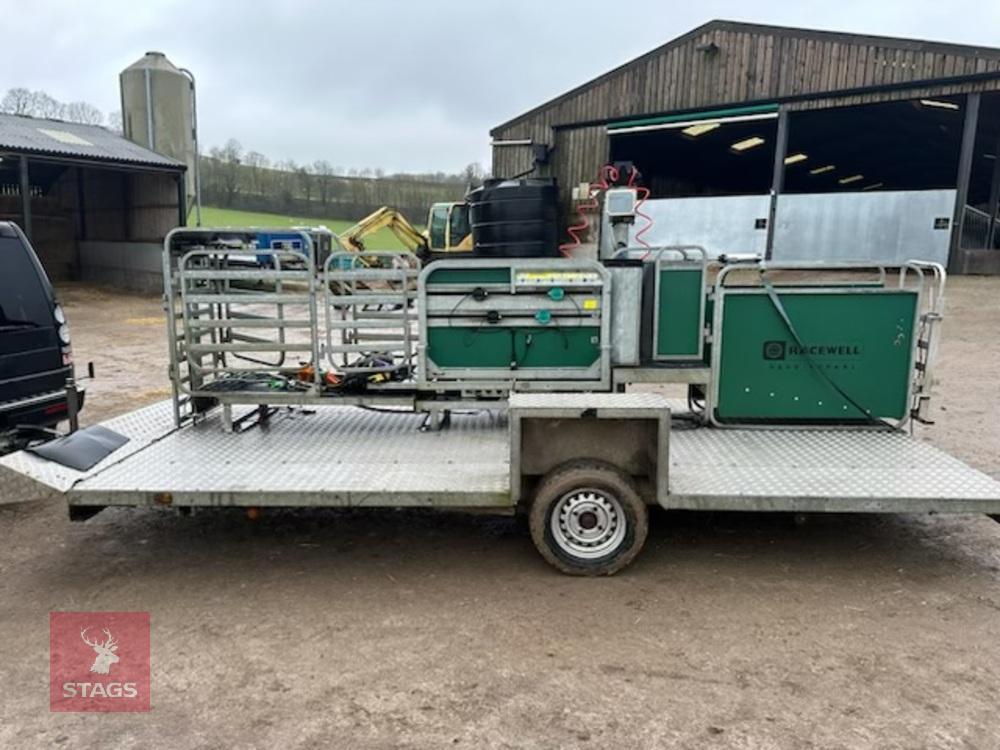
<point>587,519</point>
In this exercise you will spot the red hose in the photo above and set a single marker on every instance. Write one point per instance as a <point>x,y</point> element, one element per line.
<point>607,172</point>
<point>643,194</point>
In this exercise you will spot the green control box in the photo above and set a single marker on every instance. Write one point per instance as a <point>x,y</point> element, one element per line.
<point>852,363</point>
<point>497,322</point>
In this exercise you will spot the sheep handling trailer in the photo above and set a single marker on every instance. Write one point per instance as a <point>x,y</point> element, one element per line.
<point>503,385</point>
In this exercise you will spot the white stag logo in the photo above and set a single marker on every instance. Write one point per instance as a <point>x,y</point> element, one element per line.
<point>106,655</point>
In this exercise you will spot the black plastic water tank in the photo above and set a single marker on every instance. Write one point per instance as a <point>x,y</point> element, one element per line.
<point>515,218</point>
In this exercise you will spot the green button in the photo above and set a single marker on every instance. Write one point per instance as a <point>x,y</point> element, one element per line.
<point>556,293</point>
<point>544,317</point>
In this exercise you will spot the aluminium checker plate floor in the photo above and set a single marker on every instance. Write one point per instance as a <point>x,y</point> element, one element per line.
<point>342,455</point>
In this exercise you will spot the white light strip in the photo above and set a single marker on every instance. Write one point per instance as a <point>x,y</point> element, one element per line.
<point>688,123</point>
<point>693,131</point>
<point>938,104</point>
<point>747,143</point>
<point>521,142</point>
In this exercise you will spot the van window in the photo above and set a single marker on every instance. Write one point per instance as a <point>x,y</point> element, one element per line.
<point>24,302</point>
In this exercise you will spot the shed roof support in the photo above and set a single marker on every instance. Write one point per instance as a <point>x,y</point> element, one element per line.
<point>778,177</point>
<point>25,196</point>
<point>965,158</point>
<point>994,204</point>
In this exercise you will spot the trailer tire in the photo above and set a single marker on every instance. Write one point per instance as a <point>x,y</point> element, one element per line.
<point>587,518</point>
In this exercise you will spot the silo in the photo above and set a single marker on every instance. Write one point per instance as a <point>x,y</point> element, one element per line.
<point>158,111</point>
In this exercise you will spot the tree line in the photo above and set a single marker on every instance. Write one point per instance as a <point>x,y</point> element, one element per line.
<point>232,177</point>
<point>22,101</point>
<point>235,178</point>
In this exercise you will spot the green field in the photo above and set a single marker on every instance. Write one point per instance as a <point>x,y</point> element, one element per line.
<point>226,217</point>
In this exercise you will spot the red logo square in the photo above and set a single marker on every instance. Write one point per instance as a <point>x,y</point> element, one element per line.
<point>99,661</point>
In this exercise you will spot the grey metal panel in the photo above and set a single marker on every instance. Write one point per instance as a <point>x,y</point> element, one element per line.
<point>142,427</point>
<point>860,471</point>
<point>883,226</point>
<point>619,401</point>
<point>724,224</point>
<point>335,456</point>
<point>92,142</point>
<point>345,455</point>
<point>585,407</point>
<point>626,314</point>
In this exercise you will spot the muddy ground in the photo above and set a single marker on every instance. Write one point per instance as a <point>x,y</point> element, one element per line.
<point>400,629</point>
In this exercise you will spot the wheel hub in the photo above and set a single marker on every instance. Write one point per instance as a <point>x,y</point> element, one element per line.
<point>588,523</point>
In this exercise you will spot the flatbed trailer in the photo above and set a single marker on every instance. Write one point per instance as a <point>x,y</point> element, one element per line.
<point>349,456</point>
<point>502,385</point>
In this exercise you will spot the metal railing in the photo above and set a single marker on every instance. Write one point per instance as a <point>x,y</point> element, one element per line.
<point>980,231</point>
<point>370,311</point>
<point>270,327</point>
<point>239,320</point>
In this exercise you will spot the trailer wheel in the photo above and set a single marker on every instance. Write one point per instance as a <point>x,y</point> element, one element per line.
<point>587,519</point>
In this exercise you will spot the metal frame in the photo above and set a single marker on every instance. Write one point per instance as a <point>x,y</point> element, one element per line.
<point>596,377</point>
<point>692,257</point>
<point>203,313</point>
<point>385,460</point>
<point>665,265</point>
<point>881,287</point>
<point>576,406</point>
<point>394,286</point>
<point>931,315</point>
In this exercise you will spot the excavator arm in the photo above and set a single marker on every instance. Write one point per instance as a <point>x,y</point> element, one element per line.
<point>385,218</point>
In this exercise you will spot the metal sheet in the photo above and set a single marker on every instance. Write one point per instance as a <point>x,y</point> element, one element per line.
<point>142,427</point>
<point>883,226</point>
<point>350,456</point>
<point>334,456</point>
<point>626,314</point>
<point>724,224</point>
<point>637,400</point>
<point>859,471</point>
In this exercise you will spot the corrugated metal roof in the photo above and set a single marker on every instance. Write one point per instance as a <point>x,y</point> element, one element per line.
<point>34,135</point>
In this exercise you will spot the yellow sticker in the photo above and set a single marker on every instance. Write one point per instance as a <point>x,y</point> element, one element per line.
<point>590,304</point>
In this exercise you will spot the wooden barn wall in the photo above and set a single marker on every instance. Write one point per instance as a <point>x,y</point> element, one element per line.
<point>896,95</point>
<point>750,65</point>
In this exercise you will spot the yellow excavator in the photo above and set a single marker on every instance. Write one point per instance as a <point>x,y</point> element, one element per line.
<point>448,230</point>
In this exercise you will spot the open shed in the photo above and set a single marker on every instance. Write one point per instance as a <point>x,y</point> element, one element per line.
<point>95,205</point>
<point>791,143</point>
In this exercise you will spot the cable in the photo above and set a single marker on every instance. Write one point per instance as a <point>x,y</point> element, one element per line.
<point>783,314</point>
<point>643,194</point>
<point>606,173</point>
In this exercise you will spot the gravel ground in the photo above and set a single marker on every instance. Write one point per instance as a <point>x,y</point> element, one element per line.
<point>409,629</point>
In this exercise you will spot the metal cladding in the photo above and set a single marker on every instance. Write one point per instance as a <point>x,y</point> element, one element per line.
<point>74,140</point>
<point>158,110</point>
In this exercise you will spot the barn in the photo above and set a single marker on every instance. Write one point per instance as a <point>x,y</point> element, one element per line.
<point>790,143</point>
<point>95,205</point>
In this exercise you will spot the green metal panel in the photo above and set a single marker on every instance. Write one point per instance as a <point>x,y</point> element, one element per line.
<point>492,275</point>
<point>499,347</point>
<point>679,325</point>
<point>862,341</point>
<point>705,115</point>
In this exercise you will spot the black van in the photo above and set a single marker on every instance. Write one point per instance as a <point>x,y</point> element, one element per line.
<point>35,354</point>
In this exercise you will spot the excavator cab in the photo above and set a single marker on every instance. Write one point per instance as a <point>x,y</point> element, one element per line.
<point>448,228</point>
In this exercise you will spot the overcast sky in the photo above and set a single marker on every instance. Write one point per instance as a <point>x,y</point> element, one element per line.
<point>404,85</point>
